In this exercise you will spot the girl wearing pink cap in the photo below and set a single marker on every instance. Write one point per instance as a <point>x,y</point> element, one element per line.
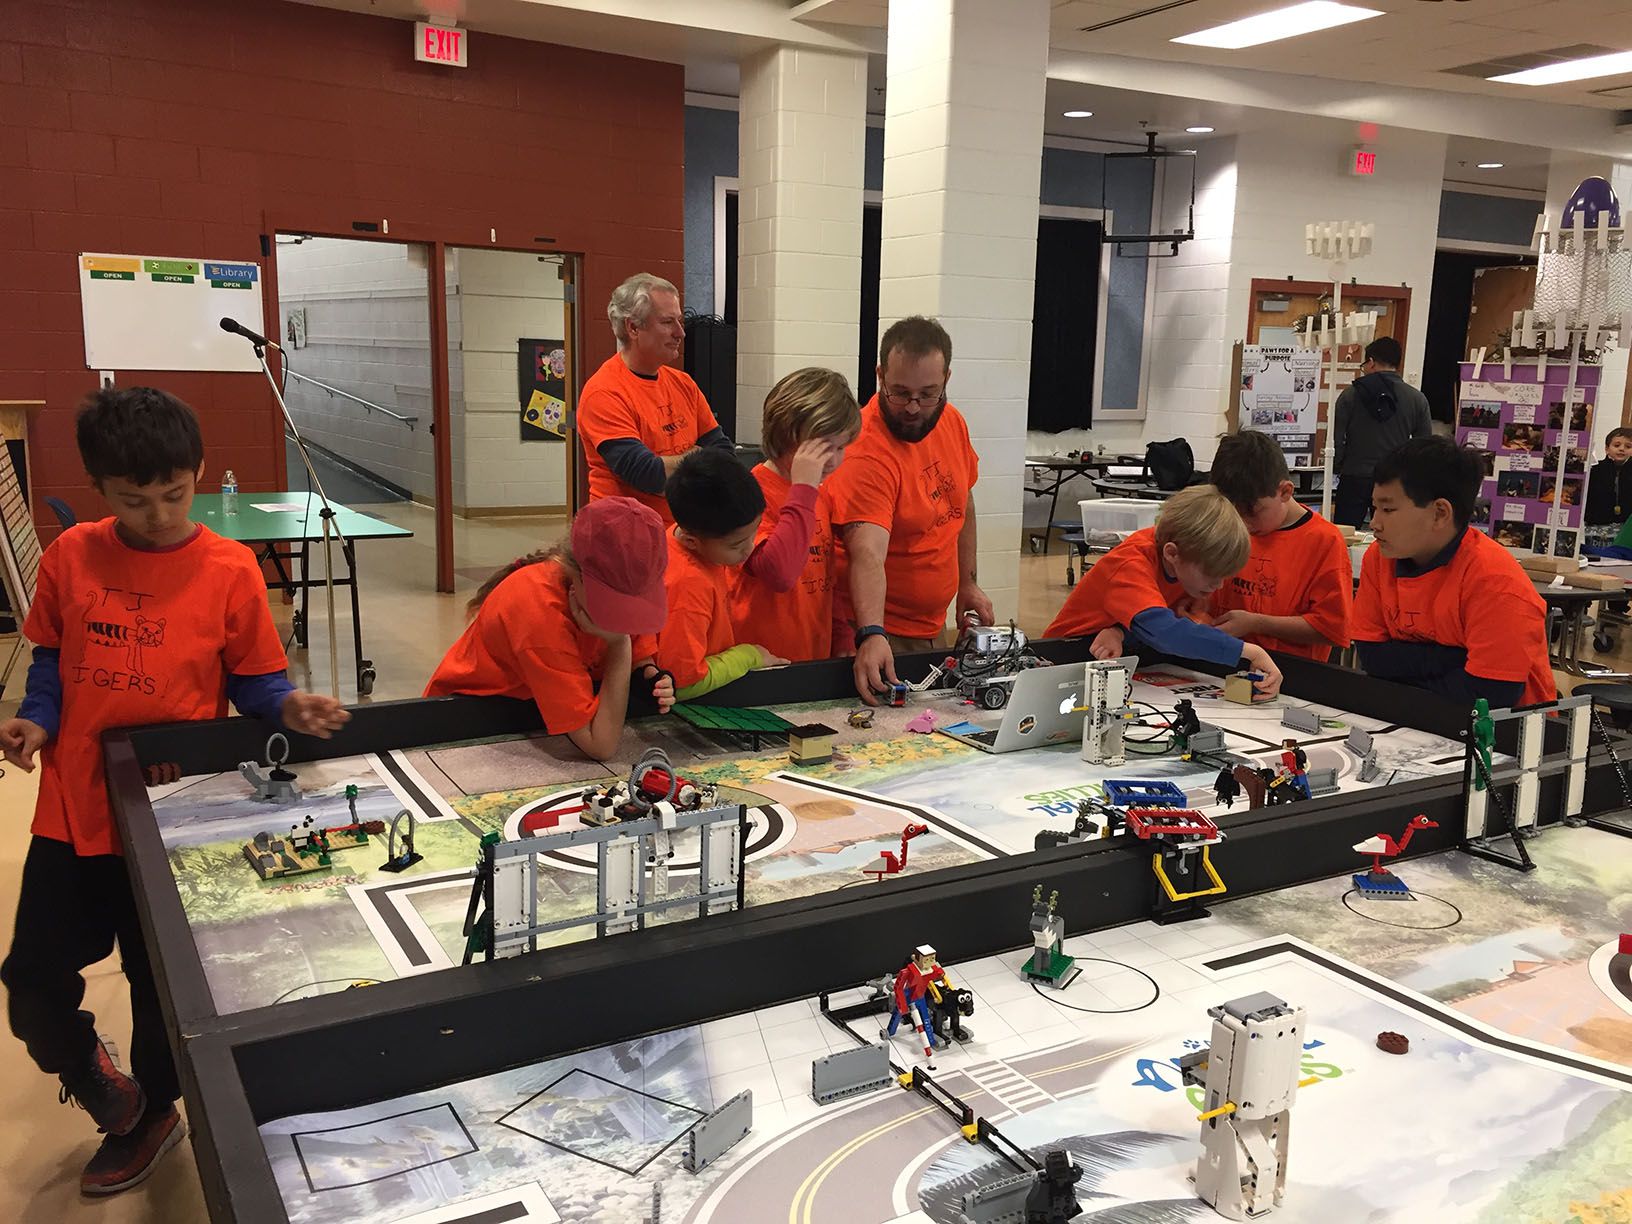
<point>570,628</point>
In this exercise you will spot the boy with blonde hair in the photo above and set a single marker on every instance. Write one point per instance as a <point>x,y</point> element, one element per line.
<point>782,597</point>
<point>1149,587</point>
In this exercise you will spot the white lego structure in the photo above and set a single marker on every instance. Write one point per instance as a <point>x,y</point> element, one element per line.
<point>1525,774</point>
<point>1106,686</point>
<point>1250,1073</point>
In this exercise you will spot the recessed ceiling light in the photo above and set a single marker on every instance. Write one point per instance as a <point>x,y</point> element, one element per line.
<point>1613,64</point>
<point>1079,114</point>
<point>1278,24</point>
<point>1201,129</point>
<point>1490,165</point>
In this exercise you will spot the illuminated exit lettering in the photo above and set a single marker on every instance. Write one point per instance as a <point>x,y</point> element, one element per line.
<point>434,44</point>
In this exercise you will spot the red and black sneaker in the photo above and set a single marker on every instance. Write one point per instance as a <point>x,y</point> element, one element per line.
<point>114,1100</point>
<point>126,1160</point>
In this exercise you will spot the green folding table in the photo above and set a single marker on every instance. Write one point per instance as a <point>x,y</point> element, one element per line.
<point>281,528</point>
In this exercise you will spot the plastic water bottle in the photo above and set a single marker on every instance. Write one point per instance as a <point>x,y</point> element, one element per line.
<point>229,493</point>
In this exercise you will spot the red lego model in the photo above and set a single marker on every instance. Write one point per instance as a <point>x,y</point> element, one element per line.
<point>887,863</point>
<point>1383,846</point>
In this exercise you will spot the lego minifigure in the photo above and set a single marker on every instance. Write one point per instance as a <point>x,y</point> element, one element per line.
<point>1183,724</point>
<point>1225,788</point>
<point>1484,741</point>
<point>912,993</point>
<point>1295,767</point>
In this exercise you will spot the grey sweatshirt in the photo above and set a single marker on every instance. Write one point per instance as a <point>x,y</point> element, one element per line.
<point>1375,414</point>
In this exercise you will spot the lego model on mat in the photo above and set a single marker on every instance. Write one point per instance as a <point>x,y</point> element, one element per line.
<point>1380,882</point>
<point>1048,962</point>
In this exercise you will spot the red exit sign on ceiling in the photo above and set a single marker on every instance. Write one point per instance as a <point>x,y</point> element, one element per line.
<point>434,44</point>
<point>1362,162</point>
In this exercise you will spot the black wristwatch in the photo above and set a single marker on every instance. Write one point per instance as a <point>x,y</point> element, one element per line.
<point>863,632</point>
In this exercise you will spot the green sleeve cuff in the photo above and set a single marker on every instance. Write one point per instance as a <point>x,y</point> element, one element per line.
<point>728,665</point>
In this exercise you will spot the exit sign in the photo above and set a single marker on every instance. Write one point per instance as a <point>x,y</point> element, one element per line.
<point>1362,162</point>
<point>434,44</point>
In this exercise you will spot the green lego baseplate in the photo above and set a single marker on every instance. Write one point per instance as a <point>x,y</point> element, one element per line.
<point>732,718</point>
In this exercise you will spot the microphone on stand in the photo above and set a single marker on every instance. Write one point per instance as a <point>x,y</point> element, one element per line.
<point>238,329</point>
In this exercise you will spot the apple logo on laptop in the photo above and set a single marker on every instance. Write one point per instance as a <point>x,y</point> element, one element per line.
<point>1069,704</point>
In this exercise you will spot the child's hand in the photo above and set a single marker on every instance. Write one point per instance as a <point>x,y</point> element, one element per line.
<point>20,739</point>
<point>767,659</point>
<point>314,714</point>
<point>1258,658</point>
<point>810,461</point>
<point>1107,643</point>
<point>662,686</point>
<point>1238,622</point>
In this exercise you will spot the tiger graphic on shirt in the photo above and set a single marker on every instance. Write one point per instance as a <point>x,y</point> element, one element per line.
<point>106,628</point>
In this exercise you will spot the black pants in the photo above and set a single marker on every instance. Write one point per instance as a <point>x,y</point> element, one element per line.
<point>1351,504</point>
<point>70,912</point>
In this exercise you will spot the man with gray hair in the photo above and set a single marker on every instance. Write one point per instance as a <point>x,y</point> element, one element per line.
<point>639,414</point>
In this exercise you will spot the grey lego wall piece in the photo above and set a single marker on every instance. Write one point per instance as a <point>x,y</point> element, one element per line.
<point>1358,742</point>
<point>850,1073</point>
<point>1322,781</point>
<point>998,1202</point>
<point>1296,718</point>
<point>1208,739</point>
<point>715,1135</point>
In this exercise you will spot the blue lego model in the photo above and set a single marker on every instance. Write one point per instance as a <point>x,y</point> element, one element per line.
<point>1126,793</point>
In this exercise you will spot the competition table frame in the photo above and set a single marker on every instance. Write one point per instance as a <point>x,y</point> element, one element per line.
<point>283,537</point>
<point>408,1035</point>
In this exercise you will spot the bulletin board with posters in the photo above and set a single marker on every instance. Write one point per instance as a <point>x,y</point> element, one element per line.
<point>541,366</point>
<point>1280,396</point>
<point>1534,432</point>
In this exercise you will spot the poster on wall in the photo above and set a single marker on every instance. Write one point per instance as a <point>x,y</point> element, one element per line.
<point>542,367</point>
<point>1534,435</point>
<point>1280,396</point>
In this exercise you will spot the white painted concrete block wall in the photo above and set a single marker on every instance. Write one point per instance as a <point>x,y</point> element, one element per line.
<point>802,142</point>
<point>368,332</point>
<point>504,296</point>
<point>962,168</point>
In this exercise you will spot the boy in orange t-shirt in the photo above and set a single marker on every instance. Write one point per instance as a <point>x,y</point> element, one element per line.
<point>1296,593</point>
<point>639,414</point>
<point>144,617</point>
<point>782,597</point>
<point>572,629</point>
<point>1441,605</point>
<point>1145,588</point>
<point>717,506</point>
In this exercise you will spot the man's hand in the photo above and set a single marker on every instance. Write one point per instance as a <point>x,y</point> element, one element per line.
<point>810,461</point>
<point>20,739</point>
<point>874,668</point>
<point>1238,622</point>
<point>972,599</point>
<point>1258,658</point>
<point>314,714</point>
<point>767,659</point>
<point>1107,643</point>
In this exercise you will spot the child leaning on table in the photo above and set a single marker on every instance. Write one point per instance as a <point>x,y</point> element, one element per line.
<point>142,617</point>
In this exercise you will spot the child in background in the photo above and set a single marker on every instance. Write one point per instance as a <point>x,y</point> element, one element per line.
<point>572,628</point>
<point>1147,587</point>
<point>1609,491</point>
<point>1442,606</point>
<point>144,617</point>
<point>782,597</point>
<point>1296,593</point>
<point>717,505</point>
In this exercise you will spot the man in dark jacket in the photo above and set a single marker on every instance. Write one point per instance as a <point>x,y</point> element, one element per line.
<point>1377,412</point>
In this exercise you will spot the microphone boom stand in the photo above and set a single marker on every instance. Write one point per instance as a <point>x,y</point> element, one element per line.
<point>331,528</point>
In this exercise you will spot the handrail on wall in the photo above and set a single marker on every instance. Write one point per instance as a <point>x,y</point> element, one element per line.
<point>367,404</point>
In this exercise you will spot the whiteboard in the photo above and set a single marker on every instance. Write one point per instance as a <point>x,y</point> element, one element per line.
<point>147,312</point>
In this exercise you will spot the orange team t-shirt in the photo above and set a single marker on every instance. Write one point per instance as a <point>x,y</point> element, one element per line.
<point>796,624</point>
<point>917,492</point>
<point>699,623</point>
<point>525,643</point>
<point>1302,570</point>
<point>1124,582</point>
<point>1480,600</point>
<point>146,637</point>
<point>666,414</point>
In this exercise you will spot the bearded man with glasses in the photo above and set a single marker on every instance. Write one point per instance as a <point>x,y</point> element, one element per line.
<point>905,497</point>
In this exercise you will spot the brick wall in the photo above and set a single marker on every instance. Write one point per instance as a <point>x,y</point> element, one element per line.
<point>189,127</point>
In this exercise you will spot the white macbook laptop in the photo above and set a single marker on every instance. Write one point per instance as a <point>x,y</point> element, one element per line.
<point>1045,707</point>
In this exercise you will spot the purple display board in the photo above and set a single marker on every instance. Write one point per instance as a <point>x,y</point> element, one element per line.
<point>1535,435</point>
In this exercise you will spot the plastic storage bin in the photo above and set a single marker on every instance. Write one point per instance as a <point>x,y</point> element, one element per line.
<point>1117,514</point>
